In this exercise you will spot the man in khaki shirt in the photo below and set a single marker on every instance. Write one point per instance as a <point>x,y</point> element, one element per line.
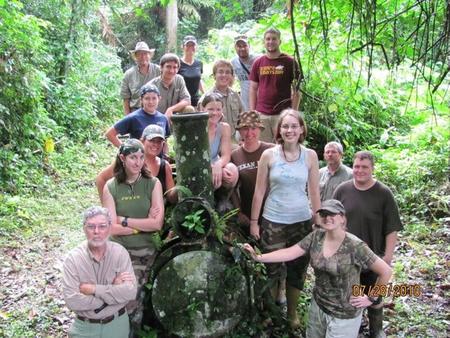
<point>174,94</point>
<point>98,281</point>
<point>137,76</point>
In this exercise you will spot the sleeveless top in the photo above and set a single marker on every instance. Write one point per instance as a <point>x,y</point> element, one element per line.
<point>214,147</point>
<point>133,200</point>
<point>287,201</point>
<point>162,174</point>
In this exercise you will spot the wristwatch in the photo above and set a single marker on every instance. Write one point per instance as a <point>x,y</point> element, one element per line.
<point>125,222</point>
<point>376,300</point>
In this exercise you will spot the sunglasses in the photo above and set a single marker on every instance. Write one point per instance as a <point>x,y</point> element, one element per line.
<point>324,214</point>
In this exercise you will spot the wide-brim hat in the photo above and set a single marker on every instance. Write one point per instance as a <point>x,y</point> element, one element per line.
<point>141,46</point>
<point>249,119</point>
<point>332,206</point>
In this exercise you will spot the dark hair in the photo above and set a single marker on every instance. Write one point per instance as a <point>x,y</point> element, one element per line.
<point>128,147</point>
<point>149,88</point>
<point>301,121</point>
<point>211,97</point>
<point>169,57</point>
<point>364,155</point>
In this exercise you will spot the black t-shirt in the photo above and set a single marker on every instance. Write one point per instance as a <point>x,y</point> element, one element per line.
<point>371,214</point>
<point>192,75</point>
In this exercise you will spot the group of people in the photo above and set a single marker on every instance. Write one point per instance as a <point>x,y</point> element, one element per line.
<point>298,213</point>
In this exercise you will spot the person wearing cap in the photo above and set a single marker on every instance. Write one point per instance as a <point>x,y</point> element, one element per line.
<point>335,172</point>
<point>157,165</point>
<point>191,69</point>
<point>98,281</point>
<point>135,201</point>
<point>246,159</point>
<point>242,64</point>
<point>271,83</point>
<point>174,93</point>
<point>232,104</point>
<point>373,216</point>
<point>337,258</point>
<point>153,138</point>
<point>135,122</point>
<point>137,76</point>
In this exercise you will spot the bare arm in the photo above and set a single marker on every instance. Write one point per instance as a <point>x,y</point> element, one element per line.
<point>295,99</point>
<point>155,218</point>
<point>384,273</point>
<point>313,181</point>
<point>201,87</point>
<point>262,182</point>
<point>126,106</point>
<point>108,203</point>
<point>101,179</point>
<point>282,255</point>
<point>111,135</point>
<point>253,91</point>
<point>177,107</point>
<point>171,195</point>
<point>391,241</point>
<point>225,144</point>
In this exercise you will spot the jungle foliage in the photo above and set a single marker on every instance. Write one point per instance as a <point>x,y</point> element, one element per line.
<point>369,69</point>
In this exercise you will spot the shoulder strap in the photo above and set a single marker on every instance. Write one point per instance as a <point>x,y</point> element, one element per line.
<point>243,66</point>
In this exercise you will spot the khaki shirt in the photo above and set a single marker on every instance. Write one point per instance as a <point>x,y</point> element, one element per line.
<point>328,182</point>
<point>80,266</point>
<point>170,96</point>
<point>232,107</point>
<point>133,81</point>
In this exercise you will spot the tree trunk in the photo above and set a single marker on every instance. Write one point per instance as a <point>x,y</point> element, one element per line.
<point>171,25</point>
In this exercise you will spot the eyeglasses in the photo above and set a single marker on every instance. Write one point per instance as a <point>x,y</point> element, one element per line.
<point>100,227</point>
<point>225,72</point>
<point>292,126</point>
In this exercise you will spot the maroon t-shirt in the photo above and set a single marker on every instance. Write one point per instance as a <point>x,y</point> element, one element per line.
<point>274,77</point>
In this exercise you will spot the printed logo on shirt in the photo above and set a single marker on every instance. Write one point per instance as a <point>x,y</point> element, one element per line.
<point>130,198</point>
<point>248,166</point>
<point>271,70</point>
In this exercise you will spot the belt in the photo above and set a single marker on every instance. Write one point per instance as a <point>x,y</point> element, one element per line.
<point>104,320</point>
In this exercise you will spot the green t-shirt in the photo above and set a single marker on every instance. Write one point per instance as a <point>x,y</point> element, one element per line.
<point>336,275</point>
<point>134,201</point>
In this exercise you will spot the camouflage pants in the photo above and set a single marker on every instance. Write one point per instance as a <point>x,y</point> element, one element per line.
<point>276,236</point>
<point>142,260</point>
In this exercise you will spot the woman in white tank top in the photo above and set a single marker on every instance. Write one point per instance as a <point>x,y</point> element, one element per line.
<point>285,171</point>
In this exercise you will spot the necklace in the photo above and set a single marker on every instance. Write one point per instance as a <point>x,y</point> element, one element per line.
<point>131,184</point>
<point>295,159</point>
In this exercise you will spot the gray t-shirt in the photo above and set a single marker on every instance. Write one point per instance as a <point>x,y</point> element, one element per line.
<point>242,72</point>
<point>170,96</point>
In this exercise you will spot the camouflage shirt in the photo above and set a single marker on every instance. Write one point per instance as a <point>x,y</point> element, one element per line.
<point>336,275</point>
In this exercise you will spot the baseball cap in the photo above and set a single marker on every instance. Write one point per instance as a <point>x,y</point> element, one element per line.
<point>243,38</point>
<point>189,38</point>
<point>332,206</point>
